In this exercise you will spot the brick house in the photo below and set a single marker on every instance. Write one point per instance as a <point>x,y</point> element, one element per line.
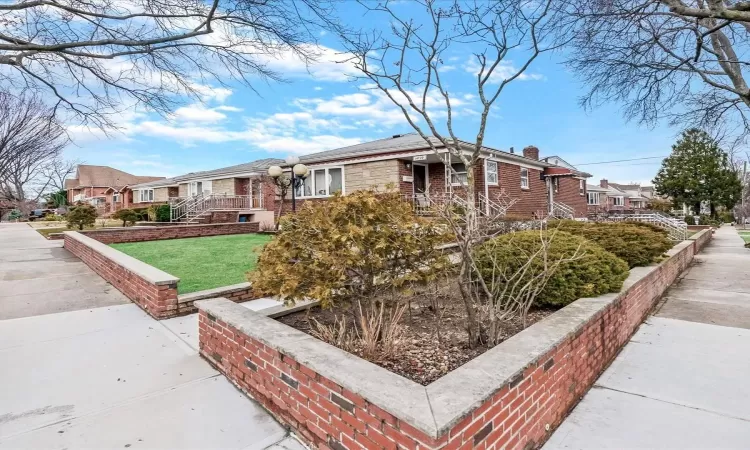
<point>608,198</point>
<point>103,186</point>
<point>403,162</point>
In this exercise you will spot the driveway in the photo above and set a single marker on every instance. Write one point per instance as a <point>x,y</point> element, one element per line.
<point>84,368</point>
<point>681,381</point>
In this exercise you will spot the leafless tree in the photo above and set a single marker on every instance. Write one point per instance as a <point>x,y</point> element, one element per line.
<point>682,61</point>
<point>30,139</point>
<point>407,64</point>
<point>100,57</point>
<point>57,171</point>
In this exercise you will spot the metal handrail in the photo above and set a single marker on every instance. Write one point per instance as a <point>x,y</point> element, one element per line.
<point>562,211</point>
<point>676,229</point>
<point>193,208</point>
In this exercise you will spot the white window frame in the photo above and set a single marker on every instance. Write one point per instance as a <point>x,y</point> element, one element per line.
<point>455,175</point>
<point>487,172</point>
<point>618,201</point>
<point>149,196</point>
<point>582,187</point>
<point>524,178</point>
<point>311,178</point>
<point>116,197</point>
<point>594,195</point>
<point>206,187</point>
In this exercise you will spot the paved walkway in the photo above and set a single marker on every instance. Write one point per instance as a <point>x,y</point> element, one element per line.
<point>81,367</point>
<point>682,380</point>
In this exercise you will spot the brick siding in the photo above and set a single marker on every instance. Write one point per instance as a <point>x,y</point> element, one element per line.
<point>517,416</point>
<point>532,202</point>
<point>160,301</point>
<point>569,193</point>
<point>141,234</point>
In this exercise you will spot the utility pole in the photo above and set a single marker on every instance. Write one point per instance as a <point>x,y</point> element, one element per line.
<point>744,193</point>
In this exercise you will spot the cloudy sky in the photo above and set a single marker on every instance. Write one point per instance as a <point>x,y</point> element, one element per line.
<point>323,106</point>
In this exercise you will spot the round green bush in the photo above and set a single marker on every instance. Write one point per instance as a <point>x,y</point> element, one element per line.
<point>594,273</point>
<point>637,243</point>
<point>690,220</point>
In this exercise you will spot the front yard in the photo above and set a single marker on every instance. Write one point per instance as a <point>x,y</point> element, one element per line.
<point>745,235</point>
<point>201,263</point>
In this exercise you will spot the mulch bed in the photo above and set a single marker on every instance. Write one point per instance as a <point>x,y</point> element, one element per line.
<point>422,356</point>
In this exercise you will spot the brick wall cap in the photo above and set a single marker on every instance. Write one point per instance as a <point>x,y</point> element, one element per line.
<point>213,293</point>
<point>436,408</point>
<point>140,268</point>
<point>699,234</point>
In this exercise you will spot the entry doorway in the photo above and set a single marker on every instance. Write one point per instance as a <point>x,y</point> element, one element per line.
<point>419,178</point>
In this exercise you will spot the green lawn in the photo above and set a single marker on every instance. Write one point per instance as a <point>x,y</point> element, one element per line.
<point>745,235</point>
<point>201,263</point>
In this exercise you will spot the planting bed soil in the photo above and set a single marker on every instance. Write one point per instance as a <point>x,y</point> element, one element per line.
<point>421,356</point>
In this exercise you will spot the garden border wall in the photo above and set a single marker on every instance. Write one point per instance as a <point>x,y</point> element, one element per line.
<point>512,396</point>
<point>150,288</point>
<point>142,234</point>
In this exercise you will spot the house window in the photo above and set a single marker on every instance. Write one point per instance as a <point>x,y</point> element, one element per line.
<point>458,175</point>
<point>490,176</point>
<point>582,187</point>
<point>556,184</point>
<point>524,178</point>
<point>116,198</point>
<point>618,201</point>
<point>145,195</point>
<point>322,183</point>
<point>593,198</point>
<point>199,187</point>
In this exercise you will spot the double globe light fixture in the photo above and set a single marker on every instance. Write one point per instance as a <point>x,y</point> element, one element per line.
<point>299,173</point>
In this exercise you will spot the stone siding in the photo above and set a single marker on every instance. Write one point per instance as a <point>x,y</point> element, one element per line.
<point>366,175</point>
<point>161,195</point>
<point>223,186</point>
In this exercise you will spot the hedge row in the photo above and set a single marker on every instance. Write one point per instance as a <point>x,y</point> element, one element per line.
<point>637,243</point>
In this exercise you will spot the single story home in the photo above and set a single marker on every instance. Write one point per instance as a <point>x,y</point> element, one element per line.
<point>613,197</point>
<point>104,187</point>
<point>530,186</point>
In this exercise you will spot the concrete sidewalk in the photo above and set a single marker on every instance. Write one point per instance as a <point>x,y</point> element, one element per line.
<point>681,382</point>
<point>105,376</point>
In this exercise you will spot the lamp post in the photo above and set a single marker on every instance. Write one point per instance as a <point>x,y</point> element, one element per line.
<point>299,173</point>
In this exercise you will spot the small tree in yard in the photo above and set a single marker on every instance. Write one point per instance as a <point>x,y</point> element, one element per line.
<point>355,250</point>
<point>406,64</point>
<point>128,216</point>
<point>81,216</point>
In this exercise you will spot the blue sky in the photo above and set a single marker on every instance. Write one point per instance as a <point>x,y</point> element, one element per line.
<point>321,108</point>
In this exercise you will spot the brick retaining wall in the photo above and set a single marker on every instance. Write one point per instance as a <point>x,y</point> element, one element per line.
<point>701,238</point>
<point>150,288</point>
<point>513,396</point>
<point>141,234</point>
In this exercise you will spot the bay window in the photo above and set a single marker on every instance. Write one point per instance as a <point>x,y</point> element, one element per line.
<point>322,183</point>
<point>145,195</point>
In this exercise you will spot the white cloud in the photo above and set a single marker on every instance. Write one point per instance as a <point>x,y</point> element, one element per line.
<point>503,71</point>
<point>198,113</point>
<point>228,108</point>
<point>328,64</point>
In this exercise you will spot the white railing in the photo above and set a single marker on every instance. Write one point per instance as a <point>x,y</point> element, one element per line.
<point>676,229</point>
<point>494,209</point>
<point>561,211</point>
<point>192,208</point>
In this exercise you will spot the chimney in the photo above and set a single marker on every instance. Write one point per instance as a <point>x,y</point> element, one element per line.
<point>604,183</point>
<point>531,152</point>
<point>512,150</point>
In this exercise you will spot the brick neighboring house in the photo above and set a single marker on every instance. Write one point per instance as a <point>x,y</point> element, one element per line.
<point>405,162</point>
<point>103,186</point>
<point>607,198</point>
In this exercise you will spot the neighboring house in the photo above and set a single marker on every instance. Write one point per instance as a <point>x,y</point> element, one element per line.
<point>404,162</point>
<point>104,187</point>
<point>614,197</point>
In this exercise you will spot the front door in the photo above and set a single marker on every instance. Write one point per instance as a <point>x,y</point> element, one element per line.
<point>420,178</point>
